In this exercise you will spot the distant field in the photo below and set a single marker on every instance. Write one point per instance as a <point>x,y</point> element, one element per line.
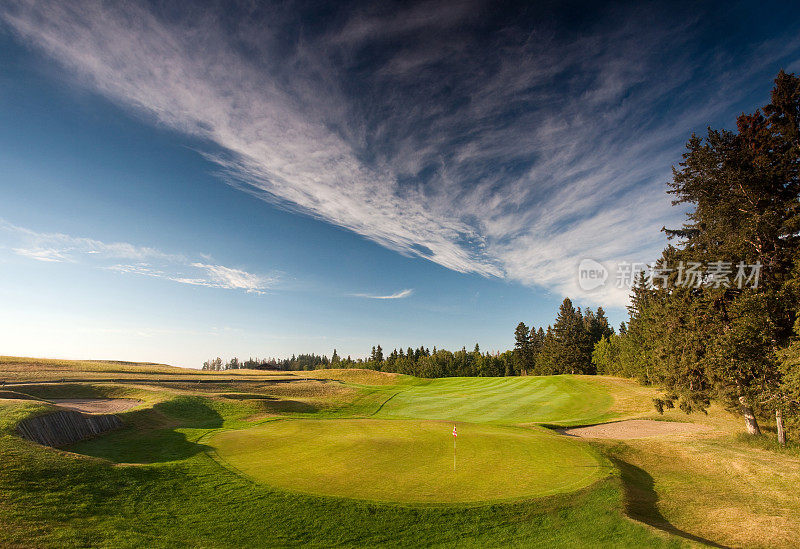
<point>408,461</point>
<point>22,369</point>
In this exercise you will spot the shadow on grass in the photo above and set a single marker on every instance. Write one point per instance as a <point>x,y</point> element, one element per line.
<point>641,501</point>
<point>150,435</point>
<point>290,406</point>
<point>272,404</point>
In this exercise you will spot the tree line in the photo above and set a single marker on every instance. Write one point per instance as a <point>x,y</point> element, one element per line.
<point>562,348</point>
<point>296,362</point>
<point>420,362</point>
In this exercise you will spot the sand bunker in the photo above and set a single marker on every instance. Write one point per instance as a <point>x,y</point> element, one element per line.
<point>97,405</point>
<point>635,428</point>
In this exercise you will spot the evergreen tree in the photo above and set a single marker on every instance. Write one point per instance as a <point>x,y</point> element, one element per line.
<point>597,325</point>
<point>714,339</point>
<point>570,347</point>
<point>523,352</point>
<point>547,361</point>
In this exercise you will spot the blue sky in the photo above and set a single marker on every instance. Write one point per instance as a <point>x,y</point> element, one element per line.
<point>266,179</point>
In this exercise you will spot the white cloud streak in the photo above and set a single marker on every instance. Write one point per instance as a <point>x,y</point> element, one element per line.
<point>137,260</point>
<point>397,295</point>
<point>512,176</point>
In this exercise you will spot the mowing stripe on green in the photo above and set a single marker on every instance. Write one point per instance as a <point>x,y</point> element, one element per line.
<point>552,399</point>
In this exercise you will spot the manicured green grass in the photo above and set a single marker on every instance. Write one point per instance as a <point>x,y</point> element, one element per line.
<point>563,400</point>
<point>157,482</point>
<point>409,461</point>
<point>50,498</point>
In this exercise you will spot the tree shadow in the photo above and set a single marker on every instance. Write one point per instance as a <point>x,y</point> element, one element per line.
<point>641,501</point>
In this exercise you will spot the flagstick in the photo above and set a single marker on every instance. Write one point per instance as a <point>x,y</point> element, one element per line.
<point>454,453</point>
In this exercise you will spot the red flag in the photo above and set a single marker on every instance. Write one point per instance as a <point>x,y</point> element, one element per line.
<point>455,434</point>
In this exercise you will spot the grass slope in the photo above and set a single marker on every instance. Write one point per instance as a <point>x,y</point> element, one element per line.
<point>409,461</point>
<point>50,498</point>
<point>563,400</point>
<point>156,484</point>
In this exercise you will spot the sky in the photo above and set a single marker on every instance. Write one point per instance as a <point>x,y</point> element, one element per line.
<point>179,182</point>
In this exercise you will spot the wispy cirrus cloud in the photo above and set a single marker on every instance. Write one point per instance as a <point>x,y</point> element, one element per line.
<point>122,257</point>
<point>504,148</point>
<point>48,255</point>
<point>397,295</point>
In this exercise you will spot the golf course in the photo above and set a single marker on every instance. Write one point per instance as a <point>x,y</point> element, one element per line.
<point>360,458</point>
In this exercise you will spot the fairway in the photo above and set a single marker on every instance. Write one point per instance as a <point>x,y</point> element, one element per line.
<point>408,461</point>
<point>551,399</point>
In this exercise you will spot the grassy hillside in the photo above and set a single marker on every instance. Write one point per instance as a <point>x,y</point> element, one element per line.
<point>162,481</point>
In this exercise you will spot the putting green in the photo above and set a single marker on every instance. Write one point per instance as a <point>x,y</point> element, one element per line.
<point>408,461</point>
<point>565,400</point>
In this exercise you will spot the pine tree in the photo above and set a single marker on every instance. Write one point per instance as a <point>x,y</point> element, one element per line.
<point>718,340</point>
<point>547,361</point>
<point>571,348</point>
<point>523,353</point>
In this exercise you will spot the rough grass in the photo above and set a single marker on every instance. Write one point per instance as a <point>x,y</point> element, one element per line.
<point>409,461</point>
<point>715,490</point>
<point>88,390</point>
<point>43,367</point>
<point>354,375</point>
<point>22,369</point>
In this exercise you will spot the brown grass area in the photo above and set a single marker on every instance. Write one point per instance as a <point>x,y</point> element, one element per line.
<point>721,490</point>
<point>306,389</point>
<point>22,369</point>
<point>707,486</point>
<point>353,375</point>
<point>13,364</point>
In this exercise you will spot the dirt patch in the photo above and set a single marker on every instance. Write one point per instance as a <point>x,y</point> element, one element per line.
<point>635,428</point>
<point>97,405</point>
